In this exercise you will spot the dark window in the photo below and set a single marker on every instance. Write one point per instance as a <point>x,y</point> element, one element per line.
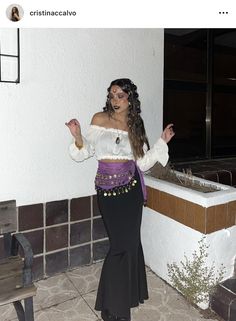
<point>224,93</point>
<point>200,92</point>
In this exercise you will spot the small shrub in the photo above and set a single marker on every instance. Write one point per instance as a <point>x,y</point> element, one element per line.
<point>193,278</point>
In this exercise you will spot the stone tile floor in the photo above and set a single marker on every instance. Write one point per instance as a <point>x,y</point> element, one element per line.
<point>71,296</point>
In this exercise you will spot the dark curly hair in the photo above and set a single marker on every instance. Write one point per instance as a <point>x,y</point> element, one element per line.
<point>137,133</point>
<point>14,11</point>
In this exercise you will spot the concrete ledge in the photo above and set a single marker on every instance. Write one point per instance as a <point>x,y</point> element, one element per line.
<point>223,301</point>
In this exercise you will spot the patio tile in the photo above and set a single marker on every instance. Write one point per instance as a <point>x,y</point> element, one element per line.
<point>142,313</point>
<point>164,304</point>
<point>86,278</point>
<point>7,312</point>
<point>41,315</point>
<point>54,290</point>
<point>90,299</point>
<point>58,299</point>
<point>72,310</point>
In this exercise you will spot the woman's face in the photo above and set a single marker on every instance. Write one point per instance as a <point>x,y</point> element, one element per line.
<point>14,10</point>
<point>119,99</point>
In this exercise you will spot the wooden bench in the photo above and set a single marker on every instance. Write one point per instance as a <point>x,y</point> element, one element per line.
<point>15,271</point>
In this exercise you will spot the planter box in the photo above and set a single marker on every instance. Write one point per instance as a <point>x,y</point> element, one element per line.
<point>176,218</point>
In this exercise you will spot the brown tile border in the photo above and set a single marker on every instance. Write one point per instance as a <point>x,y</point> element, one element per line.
<point>231,218</point>
<point>150,197</point>
<point>56,212</point>
<point>193,212</point>
<point>200,220</point>
<point>56,262</point>
<point>36,240</point>
<point>30,216</point>
<point>204,220</point>
<point>80,233</point>
<point>210,219</point>
<point>80,208</point>
<point>180,209</point>
<point>221,213</point>
<point>56,238</point>
<point>64,234</point>
<point>166,203</point>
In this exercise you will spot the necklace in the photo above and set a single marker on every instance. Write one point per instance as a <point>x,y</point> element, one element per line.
<point>118,139</point>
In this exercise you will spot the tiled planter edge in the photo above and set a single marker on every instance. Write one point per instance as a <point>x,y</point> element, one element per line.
<point>176,218</point>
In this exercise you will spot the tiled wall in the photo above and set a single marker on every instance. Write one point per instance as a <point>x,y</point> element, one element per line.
<point>204,220</point>
<point>63,234</point>
<point>68,233</point>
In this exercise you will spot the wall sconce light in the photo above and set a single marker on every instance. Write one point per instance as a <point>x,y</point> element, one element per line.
<point>10,55</point>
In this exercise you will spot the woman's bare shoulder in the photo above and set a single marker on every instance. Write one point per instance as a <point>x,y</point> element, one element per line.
<point>99,119</point>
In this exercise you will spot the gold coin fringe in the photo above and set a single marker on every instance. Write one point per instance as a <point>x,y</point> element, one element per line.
<point>116,191</point>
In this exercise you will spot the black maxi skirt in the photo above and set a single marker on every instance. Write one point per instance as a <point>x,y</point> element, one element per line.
<point>123,282</point>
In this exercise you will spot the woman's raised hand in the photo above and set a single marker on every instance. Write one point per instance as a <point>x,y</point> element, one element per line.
<point>74,127</point>
<point>168,133</point>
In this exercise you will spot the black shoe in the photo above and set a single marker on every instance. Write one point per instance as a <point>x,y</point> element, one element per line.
<point>106,316</point>
<point>123,319</point>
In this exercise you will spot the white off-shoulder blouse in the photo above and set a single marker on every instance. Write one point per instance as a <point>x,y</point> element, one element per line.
<point>101,142</point>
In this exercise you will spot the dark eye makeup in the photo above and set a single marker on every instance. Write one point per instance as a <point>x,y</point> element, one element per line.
<point>120,96</point>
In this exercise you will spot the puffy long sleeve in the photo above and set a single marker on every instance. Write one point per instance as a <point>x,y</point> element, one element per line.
<point>158,153</point>
<point>88,149</point>
<point>80,155</point>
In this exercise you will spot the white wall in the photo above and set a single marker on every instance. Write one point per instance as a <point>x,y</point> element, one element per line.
<point>166,241</point>
<point>64,74</point>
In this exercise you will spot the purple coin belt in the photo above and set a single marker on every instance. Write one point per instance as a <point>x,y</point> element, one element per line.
<point>114,179</point>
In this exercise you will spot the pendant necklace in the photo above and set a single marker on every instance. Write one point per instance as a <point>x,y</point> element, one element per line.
<point>118,138</point>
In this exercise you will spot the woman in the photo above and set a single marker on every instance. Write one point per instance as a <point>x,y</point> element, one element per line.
<point>15,16</point>
<point>118,139</point>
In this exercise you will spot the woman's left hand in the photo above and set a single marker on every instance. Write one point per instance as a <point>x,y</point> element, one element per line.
<point>168,133</point>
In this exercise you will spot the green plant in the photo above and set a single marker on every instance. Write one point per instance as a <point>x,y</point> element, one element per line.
<point>193,278</point>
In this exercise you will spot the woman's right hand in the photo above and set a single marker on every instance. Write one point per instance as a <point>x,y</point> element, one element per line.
<point>75,129</point>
